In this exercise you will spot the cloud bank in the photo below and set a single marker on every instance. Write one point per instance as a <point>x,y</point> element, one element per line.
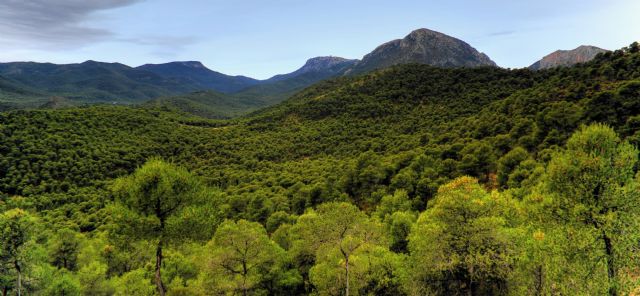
<point>53,24</point>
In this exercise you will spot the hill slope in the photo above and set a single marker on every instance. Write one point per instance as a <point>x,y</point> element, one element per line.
<point>391,112</point>
<point>170,84</point>
<point>14,95</point>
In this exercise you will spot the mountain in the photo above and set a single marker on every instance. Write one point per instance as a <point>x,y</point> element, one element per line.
<point>564,58</point>
<point>424,46</point>
<point>196,74</point>
<point>93,81</point>
<point>280,87</point>
<point>322,67</point>
<point>213,104</point>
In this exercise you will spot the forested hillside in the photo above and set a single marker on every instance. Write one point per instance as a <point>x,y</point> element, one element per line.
<point>412,180</point>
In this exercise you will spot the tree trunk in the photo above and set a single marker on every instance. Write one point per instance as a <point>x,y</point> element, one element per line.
<point>611,270</point>
<point>4,291</point>
<point>346,264</point>
<point>158,278</point>
<point>539,280</point>
<point>19,271</point>
<point>244,277</point>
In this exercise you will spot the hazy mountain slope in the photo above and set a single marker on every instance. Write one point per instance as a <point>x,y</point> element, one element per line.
<point>14,95</point>
<point>563,58</point>
<point>93,81</point>
<point>197,74</point>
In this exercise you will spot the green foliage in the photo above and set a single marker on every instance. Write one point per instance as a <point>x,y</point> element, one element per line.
<point>461,244</point>
<point>135,282</point>
<point>63,284</point>
<point>64,248</point>
<point>339,237</point>
<point>593,183</point>
<point>93,280</point>
<point>243,260</point>
<point>155,195</point>
<point>15,231</point>
<point>157,190</point>
<point>508,164</point>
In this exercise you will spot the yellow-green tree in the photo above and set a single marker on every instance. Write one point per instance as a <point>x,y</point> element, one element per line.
<point>241,258</point>
<point>461,244</point>
<point>339,237</point>
<point>592,183</point>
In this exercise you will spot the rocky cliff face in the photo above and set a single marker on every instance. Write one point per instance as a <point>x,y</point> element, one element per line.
<point>565,58</point>
<point>424,46</point>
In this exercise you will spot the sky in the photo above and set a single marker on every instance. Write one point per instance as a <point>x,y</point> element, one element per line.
<point>261,38</point>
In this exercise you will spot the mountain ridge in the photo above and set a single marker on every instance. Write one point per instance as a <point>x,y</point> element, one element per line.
<point>196,73</point>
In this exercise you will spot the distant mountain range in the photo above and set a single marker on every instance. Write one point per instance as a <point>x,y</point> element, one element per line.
<point>191,87</point>
<point>564,58</point>
<point>93,81</point>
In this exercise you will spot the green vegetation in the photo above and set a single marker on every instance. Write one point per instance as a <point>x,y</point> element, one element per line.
<point>412,180</point>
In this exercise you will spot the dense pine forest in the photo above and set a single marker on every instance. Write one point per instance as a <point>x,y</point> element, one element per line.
<point>410,180</point>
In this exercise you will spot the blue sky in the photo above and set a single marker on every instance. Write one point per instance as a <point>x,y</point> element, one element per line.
<point>261,38</point>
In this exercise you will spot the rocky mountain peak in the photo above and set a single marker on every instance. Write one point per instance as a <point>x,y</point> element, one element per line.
<point>424,46</point>
<point>322,63</point>
<point>192,64</point>
<point>565,58</point>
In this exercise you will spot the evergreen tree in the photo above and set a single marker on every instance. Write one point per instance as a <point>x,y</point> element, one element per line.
<point>593,182</point>
<point>461,244</point>
<point>156,192</point>
<point>15,231</point>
